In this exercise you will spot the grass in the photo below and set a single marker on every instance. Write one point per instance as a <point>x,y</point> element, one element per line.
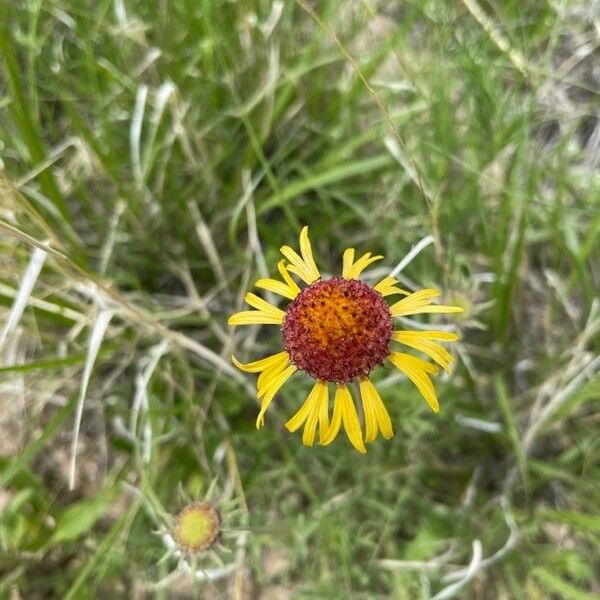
<point>161,153</point>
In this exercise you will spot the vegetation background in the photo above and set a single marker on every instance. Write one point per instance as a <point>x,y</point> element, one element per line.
<point>155,157</point>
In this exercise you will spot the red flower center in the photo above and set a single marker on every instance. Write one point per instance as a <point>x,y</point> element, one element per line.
<point>337,329</point>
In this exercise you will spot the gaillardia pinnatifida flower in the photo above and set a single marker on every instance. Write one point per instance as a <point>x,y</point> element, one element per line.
<point>338,330</point>
<point>197,526</point>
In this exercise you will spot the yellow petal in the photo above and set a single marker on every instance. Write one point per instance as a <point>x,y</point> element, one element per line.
<point>260,365</point>
<point>265,379</point>
<point>273,389</point>
<point>435,308</point>
<point>313,411</point>
<point>320,414</point>
<point>361,264</point>
<point>323,409</point>
<point>413,301</point>
<point>296,265</point>
<point>417,371</point>
<point>419,303</point>
<point>387,287</point>
<point>350,418</point>
<point>417,363</point>
<point>424,343</point>
<point>289,289</point>
<point>262,305</point>
<point>444,336</point>
<point>336,419</point>
<point>267,314</point>
<point>294,289</point>
<point>310,428</point>
<point>255,317</point>
<point>298,419</point>
<point>352,425</point>
<point>369,411</point>
<point>344,410</point>
<point>347,262</point>
<point>277,287</point>
<point>351,269</point>
<point>381,414</point>
<point>304,266</point>
<point>307,254</point>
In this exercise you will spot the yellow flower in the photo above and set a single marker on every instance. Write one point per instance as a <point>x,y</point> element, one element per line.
<point>338,330</point>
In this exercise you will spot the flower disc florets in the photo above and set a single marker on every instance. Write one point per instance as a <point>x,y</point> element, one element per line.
<point>197,526</point>
<point>337,329</point>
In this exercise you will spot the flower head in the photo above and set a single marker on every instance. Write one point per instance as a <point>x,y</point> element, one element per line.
<point>197,527</point>
<point>338,330</point>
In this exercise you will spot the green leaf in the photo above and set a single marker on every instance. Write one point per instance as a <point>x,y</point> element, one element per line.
<point>79,518</point>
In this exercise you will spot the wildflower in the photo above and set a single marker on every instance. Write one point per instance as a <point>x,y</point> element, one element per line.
<point>197,527</point>
<point>199,536</point>
<point>338,330</point>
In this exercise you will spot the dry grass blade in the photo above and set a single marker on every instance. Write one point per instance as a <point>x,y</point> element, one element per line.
<point>140,401</point>
<point>38,258</point>
<point>96,337</point>
<point>451,590</point>
<point>129,311</point>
